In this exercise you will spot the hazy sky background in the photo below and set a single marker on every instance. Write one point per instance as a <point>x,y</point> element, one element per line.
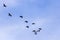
<point>45,13</point>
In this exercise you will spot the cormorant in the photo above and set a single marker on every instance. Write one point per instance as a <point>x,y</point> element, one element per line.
<point>21,16</point>
<point>39,29</point>
<point>4,5</point>
<point>26,21</point>
<point>34,32</point>
<point>33,23</point>
<point>9,14</point>
<point>27,26</point>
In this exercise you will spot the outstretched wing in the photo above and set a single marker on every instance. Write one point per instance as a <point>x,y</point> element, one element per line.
<point>39,29</point>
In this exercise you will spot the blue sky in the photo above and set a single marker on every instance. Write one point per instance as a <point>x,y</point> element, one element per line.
<point>45,13</point>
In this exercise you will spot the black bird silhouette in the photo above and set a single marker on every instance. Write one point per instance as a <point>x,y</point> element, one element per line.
<point>33,23</point>
<point>21,16</point>
<point>39,29</point>
<point>4,5</point>
<point>27,26</point>
<point>34,32</point>
<point>9,14</point>
<point>26,21</point>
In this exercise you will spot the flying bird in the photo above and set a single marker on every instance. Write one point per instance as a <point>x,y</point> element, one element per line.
<point>33,23</point>
<point>21,16</point>
<point>27,26</point>
<point>4,5</point>
<point>26,21</point>
<point>39,29</point>
<point>9,14</point>
<point>34,32</point>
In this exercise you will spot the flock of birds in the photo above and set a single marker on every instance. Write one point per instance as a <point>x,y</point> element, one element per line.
<point>34,31</point>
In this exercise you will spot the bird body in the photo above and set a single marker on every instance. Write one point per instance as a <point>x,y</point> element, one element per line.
<point>33,23</point>
<point>9,14</point>
<point>35,32</point>
<point>4,5</point>
<point>40,28</point>
<point>27,26</point>
<point>26,21</point>
<point>21,16</point>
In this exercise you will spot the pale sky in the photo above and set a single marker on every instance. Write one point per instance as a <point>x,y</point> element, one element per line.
<point>45,13</point>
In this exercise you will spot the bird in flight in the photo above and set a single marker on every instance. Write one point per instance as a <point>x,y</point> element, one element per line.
<point>9,14</point>
<point>34,32</point>
<point>21,16</point>
<point>39,29</point>
<point>4,5</point>
<point>27,26</point>
<point>26,21</point>
<point>33,23</point>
